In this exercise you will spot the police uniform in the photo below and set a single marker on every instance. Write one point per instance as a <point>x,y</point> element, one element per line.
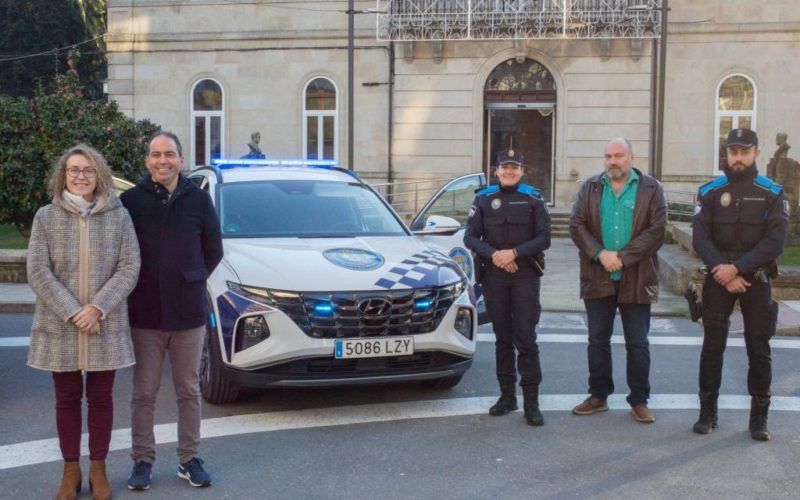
<point>741,218</point>
<point>516,218</point>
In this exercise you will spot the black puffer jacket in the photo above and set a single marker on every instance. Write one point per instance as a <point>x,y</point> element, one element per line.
<point>181,244</point>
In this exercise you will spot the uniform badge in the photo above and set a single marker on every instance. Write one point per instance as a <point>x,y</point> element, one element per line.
<point>725,199</point>
<point>471,211</point>
<point>786,209</point>
<point>496,203</point>
<point>697,208</point>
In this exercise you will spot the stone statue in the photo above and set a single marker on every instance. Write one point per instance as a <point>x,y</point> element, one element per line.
<point>783,146</point>
<point>255,149</point>
<point>786,172</point>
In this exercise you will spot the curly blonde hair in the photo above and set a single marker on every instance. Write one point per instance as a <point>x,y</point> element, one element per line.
<point>58,177</point>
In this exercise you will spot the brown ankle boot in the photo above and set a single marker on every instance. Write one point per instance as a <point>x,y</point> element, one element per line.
<point>98,482</point>
<point>70,482</point>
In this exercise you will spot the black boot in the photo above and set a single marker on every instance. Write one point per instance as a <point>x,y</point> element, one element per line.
<point>759,407</point>
<point>708,413</point>
<point>530,396</point>
<point>506,403</point>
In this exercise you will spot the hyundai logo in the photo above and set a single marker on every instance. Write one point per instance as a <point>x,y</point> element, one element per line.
<point>375,308</point>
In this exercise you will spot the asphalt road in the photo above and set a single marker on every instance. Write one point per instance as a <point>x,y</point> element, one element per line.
<point>405,441</point>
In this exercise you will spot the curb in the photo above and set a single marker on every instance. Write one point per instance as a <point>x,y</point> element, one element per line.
<point>22,307</point>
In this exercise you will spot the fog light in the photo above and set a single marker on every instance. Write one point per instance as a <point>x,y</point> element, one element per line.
<point>463,323</point>
<point>423,305</point>
<point>251,331</point>
<point>323,309</point>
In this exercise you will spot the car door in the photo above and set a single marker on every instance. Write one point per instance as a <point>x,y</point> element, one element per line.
<point>442,220</point>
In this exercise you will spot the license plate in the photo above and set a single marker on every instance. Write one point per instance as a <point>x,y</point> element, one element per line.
<point>373,348</point>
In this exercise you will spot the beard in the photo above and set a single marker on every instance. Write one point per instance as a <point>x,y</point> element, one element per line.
<point>738,170</point>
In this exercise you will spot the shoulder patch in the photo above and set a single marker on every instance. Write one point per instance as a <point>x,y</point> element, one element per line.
<point>487,190</point>
<point>715,184</point>
<point>529,190</point>
<point>768,184</point>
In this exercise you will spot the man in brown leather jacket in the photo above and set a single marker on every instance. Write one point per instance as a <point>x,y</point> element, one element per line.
<point>618,223</point>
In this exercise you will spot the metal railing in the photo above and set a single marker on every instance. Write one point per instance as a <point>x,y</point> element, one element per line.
<point>517,19</point>
<point>408,198</point>
<point>680,204</point>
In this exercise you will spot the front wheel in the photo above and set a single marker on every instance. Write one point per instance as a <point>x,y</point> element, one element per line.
<point>215,387</point>
<point>447,382</point>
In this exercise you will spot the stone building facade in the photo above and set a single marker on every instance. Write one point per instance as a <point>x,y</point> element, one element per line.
<point>214,71</point>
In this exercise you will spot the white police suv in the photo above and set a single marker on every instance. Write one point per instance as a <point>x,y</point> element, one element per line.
<point>323,284</point>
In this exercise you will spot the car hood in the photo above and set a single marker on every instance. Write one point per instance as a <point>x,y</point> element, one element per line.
<point>339,264</point>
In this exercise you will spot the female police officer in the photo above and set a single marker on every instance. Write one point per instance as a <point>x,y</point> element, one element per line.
<point>507,231</point>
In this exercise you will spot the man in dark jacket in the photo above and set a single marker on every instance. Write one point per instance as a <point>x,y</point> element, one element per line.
<point>618,223</point>
<point>180,242</point>
<point>739,230</point>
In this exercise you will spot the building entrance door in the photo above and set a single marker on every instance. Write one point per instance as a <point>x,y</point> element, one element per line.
<point>529,130</point>
<point>520,102</point>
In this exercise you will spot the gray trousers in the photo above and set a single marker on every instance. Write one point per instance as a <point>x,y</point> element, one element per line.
<point>151,347</point>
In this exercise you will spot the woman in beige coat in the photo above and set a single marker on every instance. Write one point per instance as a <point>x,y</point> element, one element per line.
<point>83,262</point>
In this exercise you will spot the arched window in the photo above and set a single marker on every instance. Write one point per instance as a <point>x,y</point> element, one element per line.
<point>208,122</point>
<point>320,120</point>
<point>735,108</point>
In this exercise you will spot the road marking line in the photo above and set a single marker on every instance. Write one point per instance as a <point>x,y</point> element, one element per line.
<point>562,338</point>
<point>47,450</point>
<point>14,341</point>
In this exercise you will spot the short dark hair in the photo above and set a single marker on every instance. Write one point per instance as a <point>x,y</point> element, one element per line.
<point>166,133</point>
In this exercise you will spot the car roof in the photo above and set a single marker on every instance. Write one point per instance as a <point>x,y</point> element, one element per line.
<point>233,174</point>
<point>249,174</point>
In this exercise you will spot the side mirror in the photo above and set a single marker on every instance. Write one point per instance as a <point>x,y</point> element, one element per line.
<point>439,224</point>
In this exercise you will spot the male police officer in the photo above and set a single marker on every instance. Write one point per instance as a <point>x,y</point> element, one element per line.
<point>739,230</point>
<point>508,229</point>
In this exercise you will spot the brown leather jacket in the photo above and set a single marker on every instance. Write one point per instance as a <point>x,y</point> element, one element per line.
<point>639,283</point>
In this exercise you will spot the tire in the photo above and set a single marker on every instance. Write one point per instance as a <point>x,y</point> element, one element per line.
<point>447,382</point>
<point>215,387</point>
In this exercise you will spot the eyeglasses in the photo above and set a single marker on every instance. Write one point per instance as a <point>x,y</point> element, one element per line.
<point>88,172</point>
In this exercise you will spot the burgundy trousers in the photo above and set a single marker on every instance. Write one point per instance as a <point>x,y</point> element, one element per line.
<point>69,399</point>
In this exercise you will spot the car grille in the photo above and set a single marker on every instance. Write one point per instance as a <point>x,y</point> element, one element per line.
<point>347,319</point>
<point>366,366</point>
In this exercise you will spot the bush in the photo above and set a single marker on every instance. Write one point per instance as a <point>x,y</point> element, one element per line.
<point>34,132</point>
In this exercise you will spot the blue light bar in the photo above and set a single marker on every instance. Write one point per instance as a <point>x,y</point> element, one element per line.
<point>323,309</point>
<point>255,162</point>
<point>422,305</point>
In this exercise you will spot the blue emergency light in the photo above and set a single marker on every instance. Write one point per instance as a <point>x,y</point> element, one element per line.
<point>323,309</point>
<point>422,305</point>
<point>224,163</point>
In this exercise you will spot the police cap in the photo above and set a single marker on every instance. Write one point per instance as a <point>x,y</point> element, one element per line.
<point>509,156</point>
<point>742,137</point>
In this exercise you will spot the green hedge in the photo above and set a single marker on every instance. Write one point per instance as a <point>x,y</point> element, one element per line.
<point>34,132</point>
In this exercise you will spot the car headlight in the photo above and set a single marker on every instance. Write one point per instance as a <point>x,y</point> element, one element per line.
<point>463,323</point>
<point>250,331</point>
<point>262,295</point>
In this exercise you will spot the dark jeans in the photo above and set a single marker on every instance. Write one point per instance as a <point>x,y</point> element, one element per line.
<point>600,314</point>
<point>717,308</point>
<point>69,398</point>
<point>512,301</point>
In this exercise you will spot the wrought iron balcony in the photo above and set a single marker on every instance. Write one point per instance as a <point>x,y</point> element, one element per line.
<point>517,19</point>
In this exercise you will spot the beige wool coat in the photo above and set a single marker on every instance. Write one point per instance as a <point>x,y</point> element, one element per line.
<point>73,261</point>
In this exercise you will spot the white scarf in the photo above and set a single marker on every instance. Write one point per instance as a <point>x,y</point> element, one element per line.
<point>78,203</point>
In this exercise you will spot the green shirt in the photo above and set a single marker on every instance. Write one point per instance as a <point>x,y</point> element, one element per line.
<point>616,215</point>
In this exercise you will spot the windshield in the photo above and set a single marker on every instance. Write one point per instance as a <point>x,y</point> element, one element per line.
<point>303,209</point>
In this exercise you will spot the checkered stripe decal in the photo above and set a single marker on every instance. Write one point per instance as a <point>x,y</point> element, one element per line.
<point>419,270</point>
